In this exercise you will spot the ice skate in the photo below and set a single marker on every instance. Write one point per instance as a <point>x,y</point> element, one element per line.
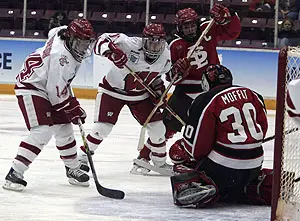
<point>77,177</point>
<point>139,170</point>
<point>83,159</point>
<point>14,181</point>
<point>165,169</point>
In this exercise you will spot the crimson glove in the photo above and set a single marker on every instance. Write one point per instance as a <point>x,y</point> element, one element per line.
<point>116,55</point>
<point>180,70</point>
<point>178,154</point>
<point>220,14</point>
<point>74,112</point>
<point>159,88</point>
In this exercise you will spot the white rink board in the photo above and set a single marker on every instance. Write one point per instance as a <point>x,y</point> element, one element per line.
<point>49,197</point>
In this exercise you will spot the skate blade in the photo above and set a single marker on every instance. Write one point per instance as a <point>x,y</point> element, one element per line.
<point>8,185</point>
<point>139,170</point>
<point>74,182</point>
<point>160,170</point>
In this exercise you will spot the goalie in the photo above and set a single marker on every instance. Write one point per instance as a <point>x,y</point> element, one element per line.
<point>292,100</point>
<point>221,154</point>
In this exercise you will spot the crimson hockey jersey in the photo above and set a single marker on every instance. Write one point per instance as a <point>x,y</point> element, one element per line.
<point>205,54</point>
<point>227,125</point>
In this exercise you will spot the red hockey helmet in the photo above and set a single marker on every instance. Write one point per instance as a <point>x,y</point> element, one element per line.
<point>187,24</point>
<point>185,15</point>
<point>81,36</point>
<point>154,41</point>
<point>216,75</point>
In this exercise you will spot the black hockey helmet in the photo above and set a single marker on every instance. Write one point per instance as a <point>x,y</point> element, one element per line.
<point>215,75</point>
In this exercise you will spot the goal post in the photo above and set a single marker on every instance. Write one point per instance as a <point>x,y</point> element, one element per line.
<point>286,165</point>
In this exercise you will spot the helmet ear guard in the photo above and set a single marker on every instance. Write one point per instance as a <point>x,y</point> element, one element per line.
<point>215,75</point>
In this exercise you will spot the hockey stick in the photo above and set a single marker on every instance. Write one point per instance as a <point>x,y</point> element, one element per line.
<point>149,89</point>
<point>190,52</point>
<point>160,102</point>
<point>111,193</point>
<point>285,133</point>
<point>210,24</point>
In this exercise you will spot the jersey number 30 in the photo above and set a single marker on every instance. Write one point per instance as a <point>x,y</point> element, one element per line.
<point>253,128</point>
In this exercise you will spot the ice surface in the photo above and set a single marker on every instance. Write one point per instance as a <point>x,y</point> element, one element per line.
<point>48,195</point>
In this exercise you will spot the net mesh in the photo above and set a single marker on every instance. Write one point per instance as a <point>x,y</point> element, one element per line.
<point>288,207</point>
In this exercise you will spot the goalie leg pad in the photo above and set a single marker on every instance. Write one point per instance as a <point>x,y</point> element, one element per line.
<point>194,189</point>
<point>259,191</point>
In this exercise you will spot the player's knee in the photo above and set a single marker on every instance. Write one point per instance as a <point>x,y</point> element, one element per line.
<point>101,130</point>
<point>40,135</point>
<point>194,189</point>
<point>156,131</point>
<point>64,134</point>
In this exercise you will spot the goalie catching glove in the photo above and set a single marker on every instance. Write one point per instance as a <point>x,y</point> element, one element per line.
<point>116,55</point>
<point>220,14</point>
<point>179,71</point>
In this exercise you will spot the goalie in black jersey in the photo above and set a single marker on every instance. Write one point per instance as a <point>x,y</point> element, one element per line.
<point>221,151</point>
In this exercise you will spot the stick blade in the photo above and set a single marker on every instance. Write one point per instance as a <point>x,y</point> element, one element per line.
<point>110,193</point>
<point>142,138</point>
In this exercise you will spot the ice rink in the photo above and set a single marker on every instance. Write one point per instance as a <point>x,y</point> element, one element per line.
<point>49,196</point>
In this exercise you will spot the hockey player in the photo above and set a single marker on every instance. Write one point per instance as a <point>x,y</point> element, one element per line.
<point>47,104</point>
<point>227,26</point>
<point>222,142</point>
<point>292,100</point>
<point>149,58</point>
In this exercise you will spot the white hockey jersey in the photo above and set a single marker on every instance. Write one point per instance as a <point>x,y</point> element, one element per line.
<point>119,83</point>
<point>293,100</point>
<point>48,71</point>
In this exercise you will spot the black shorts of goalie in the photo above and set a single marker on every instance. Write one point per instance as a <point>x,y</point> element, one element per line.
<point>212,182</point>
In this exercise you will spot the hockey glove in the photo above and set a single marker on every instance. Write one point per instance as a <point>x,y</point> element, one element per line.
<point>159,88</point>
<point>220,14</point>
<point>177,153</point>
<point>116,55</point>
<point>74,112</point>
<point>180,70</point>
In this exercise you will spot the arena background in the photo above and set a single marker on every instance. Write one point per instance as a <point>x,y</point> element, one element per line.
<point>253,68</point>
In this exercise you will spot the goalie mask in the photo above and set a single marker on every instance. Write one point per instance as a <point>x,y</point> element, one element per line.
<point>215,75</point>
<point>80,38</point>
<point>154,42</point>
<point>187,24</point>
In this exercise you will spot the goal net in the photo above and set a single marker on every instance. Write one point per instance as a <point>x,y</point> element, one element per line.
<point>286,189</point>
